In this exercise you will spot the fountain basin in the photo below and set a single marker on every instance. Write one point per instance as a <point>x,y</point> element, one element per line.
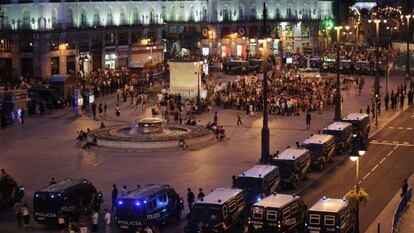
<point>119,137</point>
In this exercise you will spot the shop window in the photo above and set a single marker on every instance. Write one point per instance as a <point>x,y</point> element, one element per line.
<point>123,38</point>
<point>54,65</point>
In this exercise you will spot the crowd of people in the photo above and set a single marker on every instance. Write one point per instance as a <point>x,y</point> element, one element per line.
<point>289,94</point>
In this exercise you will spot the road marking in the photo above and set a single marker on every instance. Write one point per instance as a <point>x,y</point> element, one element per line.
<point>395,142</point>
<point>406,143</point>
<point>380,162</point>
<point>390,143</point>
<point>412,116</point>
<point>409,128</point>
<point>366,176</point>
<point>391,127</point>
<point>374,140</point>
<point>400,128</point>
<point>385,141</point>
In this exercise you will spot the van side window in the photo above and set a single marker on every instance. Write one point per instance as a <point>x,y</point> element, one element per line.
<point>294,208</point>
<point>163,199</point>
<point>232,206</point>
<point>152,204</point>
<point>271,215</point>
<point>329,220</point>
<point>286,212</point>
<point>225,211</point>
<point>258,213</point>
<point>314,219</point>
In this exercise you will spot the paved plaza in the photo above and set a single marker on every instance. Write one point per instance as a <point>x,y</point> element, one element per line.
<point>45,147</point>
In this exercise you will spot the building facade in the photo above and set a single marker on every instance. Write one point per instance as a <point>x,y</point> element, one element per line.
<point>45,37</point>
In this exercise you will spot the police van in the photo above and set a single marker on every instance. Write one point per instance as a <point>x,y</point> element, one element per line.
<point>278,213</point>
<point>360,125</point>
<point>66,198</point>
<point>331,215</point>
<point>10,191</point>
<point>151,203</point>
<point>322,148</point>
<point>342,131</point>
<point>293,164</point>
<point>219,211</point>
<point>259,182</point>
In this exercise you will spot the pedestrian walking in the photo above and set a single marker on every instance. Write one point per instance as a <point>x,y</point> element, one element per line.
<point>93,106</point>
<point>17,209</point>
<point>234,181</point>
<point>124,190</point>
<point>107,221</point>
<point>239,121</point>
<point>95,221</point>
<point>22,116</point>
<point>386,100</point>
<point>215,119</point>
<point>201,194</point>
<point>190,198</point>
<point>308,119</point>
<point>83,224</point>
<point>404,187</point>
<point>52,180</point>
<point>117,111</point>
<point>114,196</point>
<point>368,110</point>
<point>105,108</point>
<point>100,109</point>
<point>25,216</point>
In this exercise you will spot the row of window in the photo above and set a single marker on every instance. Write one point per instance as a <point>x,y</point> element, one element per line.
<point>328,220</point>
<point>271,215</point>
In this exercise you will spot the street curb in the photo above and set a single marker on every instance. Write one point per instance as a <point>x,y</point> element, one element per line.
<point>386,216</point>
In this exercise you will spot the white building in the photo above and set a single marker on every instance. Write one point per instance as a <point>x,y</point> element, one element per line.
<point>42,37</point>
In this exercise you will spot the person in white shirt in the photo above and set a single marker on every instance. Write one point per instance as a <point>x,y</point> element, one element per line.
<point>107,221</point>
<point>95,222</point>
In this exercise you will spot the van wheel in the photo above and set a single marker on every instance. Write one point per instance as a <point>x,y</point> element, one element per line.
<point>294,182</point>
<point>321,165</point>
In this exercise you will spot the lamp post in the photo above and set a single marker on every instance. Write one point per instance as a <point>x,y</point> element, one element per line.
<point>408,17</point>
<point>357,185</point>
<point>338,74</point>
<point>265,130</point>
<point>198,101</point>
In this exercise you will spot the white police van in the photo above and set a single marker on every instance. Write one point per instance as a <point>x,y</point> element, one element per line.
<point>219,211</point>
<point>342,131</point>
<point>259,182</point>
<point>149,204</point>
<point>331,215</point>
<point>322,148</point>
<point>360,125</point>
<point>278,213</point>
<point>293,164</point>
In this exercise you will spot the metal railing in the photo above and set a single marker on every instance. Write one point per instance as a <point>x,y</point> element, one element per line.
<point>402,207</point>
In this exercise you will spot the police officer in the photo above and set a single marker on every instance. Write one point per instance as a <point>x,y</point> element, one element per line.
<point>200,194</point>
<point>190,198</point>
<point>52,181</point>
<point>114,196</point>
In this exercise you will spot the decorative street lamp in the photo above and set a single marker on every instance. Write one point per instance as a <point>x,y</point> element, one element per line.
<point>197,65</point>
<point>408,35</point>
<point>265,130</point>
<point>356,158</point>
<point>338,74</point>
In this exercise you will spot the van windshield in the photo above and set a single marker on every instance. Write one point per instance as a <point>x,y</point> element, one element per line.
<point>130,208</point>
<point>46,203</point>
<point>315,148</point>
<point>206,213</point>
<point>286,167</point>
<point>250,184</point>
